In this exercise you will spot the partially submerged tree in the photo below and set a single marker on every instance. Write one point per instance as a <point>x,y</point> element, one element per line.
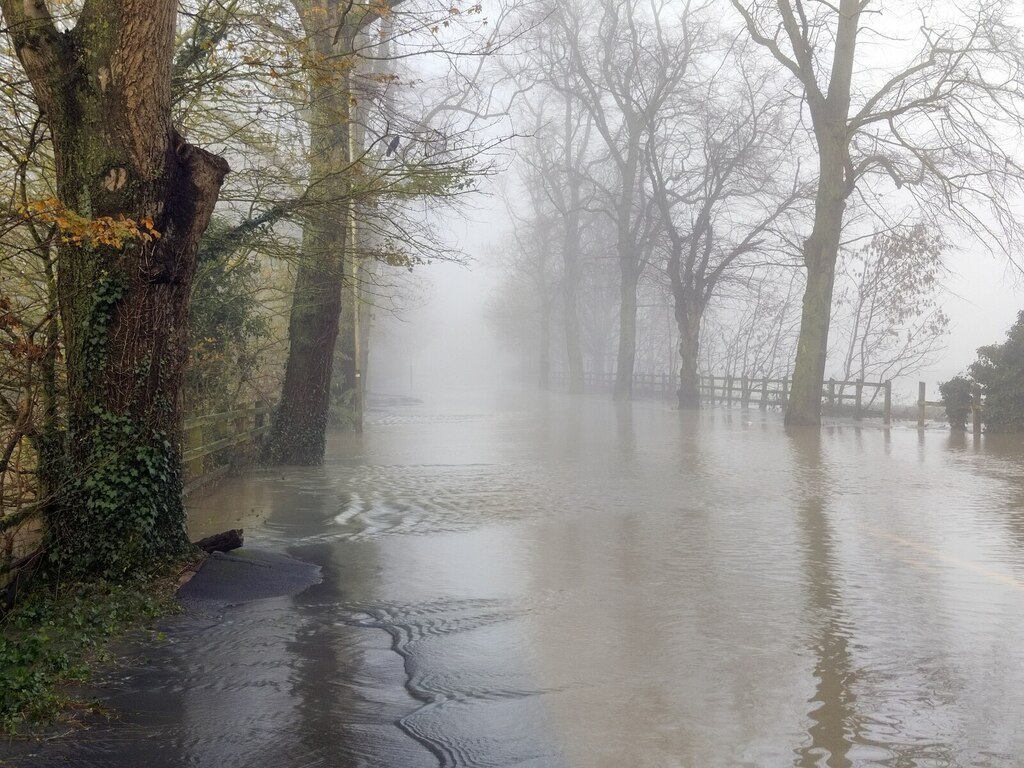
<point>935,124</point>
<point>627,63</point>
<point>358,165</point>
<point>133,199</point>
<point>718,179</point>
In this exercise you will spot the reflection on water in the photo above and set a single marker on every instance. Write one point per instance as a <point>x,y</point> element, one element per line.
<point>583,585</point>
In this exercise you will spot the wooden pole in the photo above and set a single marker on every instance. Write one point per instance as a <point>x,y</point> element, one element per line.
<point>764,394</point>
<point>887,408</point>
<point>920,404</point>
<point>831,395</point>
<point>744,392</point>
<point>785,392</point>
<point>261,418</point>
<point>728,391</point>
<point>859,402</point>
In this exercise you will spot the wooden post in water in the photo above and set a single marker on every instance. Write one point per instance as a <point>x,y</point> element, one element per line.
<point>976,408</point>
<point>920,404</point>
<point>764,394</point>
<point>887,408</point>
<point>831,395</point>
<point>728,391</point>
<point>859,402</point>
<point>744,392</point>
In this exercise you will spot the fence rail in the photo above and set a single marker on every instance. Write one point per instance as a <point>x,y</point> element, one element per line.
<point>765,393</point>
<point>208,435</point>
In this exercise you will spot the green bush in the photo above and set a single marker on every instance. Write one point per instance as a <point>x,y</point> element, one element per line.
<point>226,323</point>
<point>52,637</point>
<point>999,369</point>
<point>956,396</point>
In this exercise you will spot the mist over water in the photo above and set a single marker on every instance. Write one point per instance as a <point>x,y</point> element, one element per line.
<point>558,582</point>
<point>440,346</point>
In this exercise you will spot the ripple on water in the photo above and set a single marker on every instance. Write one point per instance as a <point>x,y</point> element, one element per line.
<point>376,500</point>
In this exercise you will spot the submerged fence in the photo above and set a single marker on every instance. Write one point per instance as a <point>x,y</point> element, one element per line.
<point>209,441</point>
<point>856,398</point>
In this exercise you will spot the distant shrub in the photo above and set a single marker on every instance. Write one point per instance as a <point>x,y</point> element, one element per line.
<point>956,396</point>
<point>1000,371</point>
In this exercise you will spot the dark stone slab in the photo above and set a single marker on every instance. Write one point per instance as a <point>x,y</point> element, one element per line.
<point>248,574</point>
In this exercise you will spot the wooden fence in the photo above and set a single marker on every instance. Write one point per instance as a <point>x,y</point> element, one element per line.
<point>854,397</point>
<point>208,439</point>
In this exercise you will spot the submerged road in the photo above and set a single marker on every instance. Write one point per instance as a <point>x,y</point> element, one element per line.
<point>571,583</point>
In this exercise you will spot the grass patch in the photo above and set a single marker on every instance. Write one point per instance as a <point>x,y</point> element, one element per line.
<point>55,637</point>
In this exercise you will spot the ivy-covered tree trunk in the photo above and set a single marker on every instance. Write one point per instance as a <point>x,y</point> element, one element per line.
<point>133,200</point>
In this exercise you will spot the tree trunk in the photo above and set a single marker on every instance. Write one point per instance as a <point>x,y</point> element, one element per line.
<point>804,408</point>
<point>570,287</point>
<point>626,359</point>
<point>821,250</point>
<point>544,355</point>
<point>299,429</point>
<point>829,115</point>
<point>346,377</point>
<point>135,199</point>
<point>688,317</point>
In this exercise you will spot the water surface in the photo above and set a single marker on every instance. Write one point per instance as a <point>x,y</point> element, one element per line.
<point>571,583</point>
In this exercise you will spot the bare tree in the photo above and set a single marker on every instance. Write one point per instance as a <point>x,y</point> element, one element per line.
<point>887,310</point>
<point>558,154</point>
<point>718,177</point>
<point>936,125</point>
<point>627,62</point>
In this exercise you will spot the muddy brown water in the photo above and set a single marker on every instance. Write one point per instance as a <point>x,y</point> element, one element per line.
<point>574,584</point>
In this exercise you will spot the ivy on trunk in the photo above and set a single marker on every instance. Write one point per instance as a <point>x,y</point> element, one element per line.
<point>133,200</point>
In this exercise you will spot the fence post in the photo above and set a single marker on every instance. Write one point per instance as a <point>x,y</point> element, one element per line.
<point>744,392</point>
<point>764,394</point>
<point>859,403</point>
<point>728,391</point>
<point>887,408</point>
<point>831,395</point>
<point>241,425</point>
<point>920,404</point>
<point>976,408</point>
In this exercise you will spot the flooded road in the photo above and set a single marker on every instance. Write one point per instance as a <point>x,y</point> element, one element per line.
<point>577,584</point>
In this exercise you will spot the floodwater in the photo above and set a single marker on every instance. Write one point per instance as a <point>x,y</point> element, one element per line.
<point>580,585</point>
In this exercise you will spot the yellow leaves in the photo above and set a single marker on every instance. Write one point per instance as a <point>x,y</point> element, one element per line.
<point>103,231</point>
